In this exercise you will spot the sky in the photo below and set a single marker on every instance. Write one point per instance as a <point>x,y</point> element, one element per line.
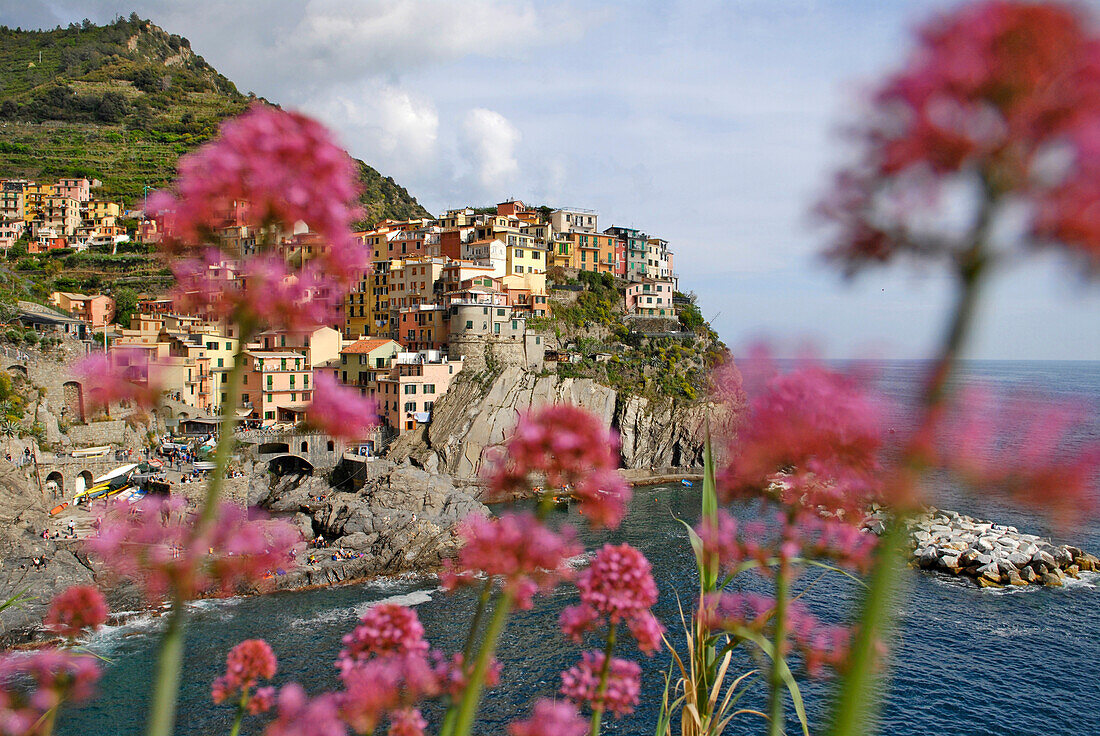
<point>712,124</point>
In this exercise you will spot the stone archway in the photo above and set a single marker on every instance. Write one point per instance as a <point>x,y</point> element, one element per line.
<point>17,368</point>
<point>83,481</point>
<point>74,401</point>
<point>55,482</point>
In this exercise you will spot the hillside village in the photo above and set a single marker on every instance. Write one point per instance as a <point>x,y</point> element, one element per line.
<point>471,291</point>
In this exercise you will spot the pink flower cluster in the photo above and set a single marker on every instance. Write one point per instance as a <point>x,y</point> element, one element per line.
<point>819,644</point>
<point>580,684</point>
<point>76,610</point>
<point>126,376</point>
<point>246,664</point>
<point>565,446</point>
<point>54,676</point>
<point>298,715</point>
<point>339,411</point>
<point>618,586</point>
<point>518,548</point>
<point>812,438</point>
<point>993,89</point>
<point>160,546</point>
<point>840,541</point>
<point>288,170</point>
<point>551,719</point>
<point>384,629</point>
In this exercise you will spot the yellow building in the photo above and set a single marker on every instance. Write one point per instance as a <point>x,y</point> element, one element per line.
<point>527,258</point>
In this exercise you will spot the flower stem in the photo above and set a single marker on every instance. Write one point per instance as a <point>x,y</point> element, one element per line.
<point>240,714</point>
<point>776,682</point>
<point>471,697</point>
<point>605,675</point>
<point>855,705</point>
<point>225,434</point>
<point>162,715</point>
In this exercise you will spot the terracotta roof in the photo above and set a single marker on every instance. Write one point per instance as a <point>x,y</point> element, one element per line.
<point>367,345</point>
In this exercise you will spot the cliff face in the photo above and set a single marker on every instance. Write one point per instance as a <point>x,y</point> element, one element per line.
<point>476,415</point>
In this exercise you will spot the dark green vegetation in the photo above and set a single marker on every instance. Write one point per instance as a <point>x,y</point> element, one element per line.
<point>120,103</point>
<point>634,357</point>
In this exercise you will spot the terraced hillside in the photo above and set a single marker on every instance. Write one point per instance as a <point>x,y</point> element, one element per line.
<point>121,103</point>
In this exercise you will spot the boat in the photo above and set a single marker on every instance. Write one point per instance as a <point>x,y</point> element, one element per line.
<point>107,485</point>
<point>93,451</point>
<point>204,466</point>
<point>59,508</point>
<point>686,482</point>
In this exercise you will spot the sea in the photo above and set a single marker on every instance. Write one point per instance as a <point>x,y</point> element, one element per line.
<point>964,661</point>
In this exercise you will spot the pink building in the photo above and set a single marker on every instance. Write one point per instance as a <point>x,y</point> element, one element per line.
<point>78,189</point>
<point>278,385</point>
<point>95,310</point>
<point>650,298</point>
<point>415,381</point>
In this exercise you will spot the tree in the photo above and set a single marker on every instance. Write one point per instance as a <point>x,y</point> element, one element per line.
<point>126,300</point>
<point>112,107</point>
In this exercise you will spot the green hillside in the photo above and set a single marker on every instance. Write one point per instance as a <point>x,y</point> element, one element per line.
<point>121,103</point>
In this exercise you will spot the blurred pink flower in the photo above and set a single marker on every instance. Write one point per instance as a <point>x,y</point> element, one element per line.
<point>576,621</point>
<point>450,673</point>
<point>126,375</point>
<point>992,91</point>
<point>407,722</point>
<point>516,547</point>
<point>812,438</point>
<point>720,540</point>
<point>341,412</point>
<point>300,716</point>
<point>56,677</point>
<point>551,719</point>
<point>647,631</point>
<point>624,684</point>
<point>76,610</point>
<point>158,546</point>
<point>386,628</point>
<point>563,445</point>
<point>841,541</point>
<point>730,610</point>
<point>385,684</point>
<point>246,664</point>
<point>261,701</point>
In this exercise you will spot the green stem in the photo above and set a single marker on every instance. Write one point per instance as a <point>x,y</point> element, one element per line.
<point>471,697</point>
<point>776,681</point>
<point>225,435</point>
<point>855,704</point>
<point>605,675</point>
<point>240,714</point>
<point>482,603</point>
<point>162,715</point>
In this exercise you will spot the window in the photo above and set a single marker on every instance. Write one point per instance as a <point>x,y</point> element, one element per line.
<point>429,388</point>
<point>269,381</point>
<point>428,405</point>
<point>305,381</point>
<point>330,446</point>
<point>515,324</point>
<point>469,324</point>
<point>500,312</point>
<point>519,252</point>
<point>410,406</point>
<point>269,415</point>
<point>518,269</point>
<point>225,397</point>
<point>282,364</point>
<point>292,380</point>
<point>410,388</point>
<point>244,398</point>
<point>538,339</point>
<point>270,397</point>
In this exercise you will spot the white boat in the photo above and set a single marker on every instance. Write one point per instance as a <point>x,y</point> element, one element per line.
<point>93,451</point>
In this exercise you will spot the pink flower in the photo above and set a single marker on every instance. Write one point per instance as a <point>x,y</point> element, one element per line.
<point>624,683</point>
<point>268,171</point>
<point>564,445</point>
<point>339,411</point>
<point>124,376</point>
<point>383,685</point>
<point>246,664</point>
<point>158,546</point>
<point>300,716</point>
<point>407,722</point>
<point>75,610</point>
<point>731,610</point>
<point>841,541</point>
<point>261,701</point>
<point>551,719</point>
<point>450,673</point>
<point>821,430</point>
<point>647,630</point>
<point>54,676</point>
<point>576,621</point>
<point>720,540</point>
<point>384,629</point>
<point>992,89</point>
<point>516,547</point>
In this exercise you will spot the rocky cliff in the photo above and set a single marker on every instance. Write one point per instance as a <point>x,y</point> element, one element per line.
<point>478,413</point>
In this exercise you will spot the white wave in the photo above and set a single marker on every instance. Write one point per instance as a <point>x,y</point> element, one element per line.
<point>411,598</point>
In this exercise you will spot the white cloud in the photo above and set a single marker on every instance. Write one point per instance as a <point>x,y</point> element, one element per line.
<point>489,142</point>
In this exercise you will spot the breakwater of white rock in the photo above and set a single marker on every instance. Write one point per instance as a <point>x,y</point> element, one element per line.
<point>992,554</point>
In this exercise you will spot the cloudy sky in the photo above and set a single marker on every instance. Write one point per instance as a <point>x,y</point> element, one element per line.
<point>713,124</point>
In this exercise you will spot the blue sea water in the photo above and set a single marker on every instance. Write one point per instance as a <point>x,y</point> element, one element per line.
<point>965,661</point>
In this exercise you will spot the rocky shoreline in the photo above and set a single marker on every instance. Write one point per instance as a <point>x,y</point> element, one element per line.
<point>993,555</point>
